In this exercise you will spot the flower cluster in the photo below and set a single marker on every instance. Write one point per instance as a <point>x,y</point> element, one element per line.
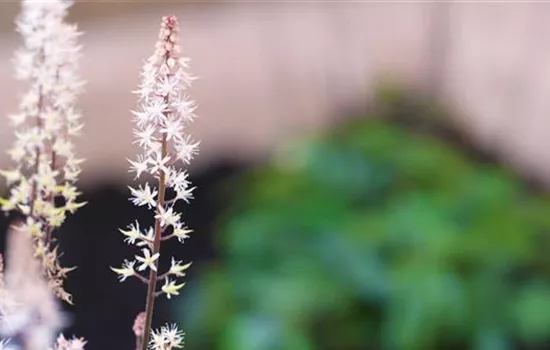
<point>29,313</point>
<point>69,344</point>
<point>33,315</point>
<point>7,304</point>
<point>167,338</point>
<point>7,301</point>
<point>165,111</point>
<point>46,168</point>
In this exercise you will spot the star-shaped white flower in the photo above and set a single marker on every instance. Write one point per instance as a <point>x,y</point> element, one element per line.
<point>173,335</point>
<point>181,233</point>
<point>138,166</point>
<point>156,109</point>
<point>144,196</point>
<point>147,238</point>
<point>171,288</point>
<point>159,163</point>
<point>127,270</point>
<point>132,234</point>
<point>173,129</point>
<point>12,176</point>
<point>167,85</point>
<point>147,260</point>
<point>177,268</point>
<point>168,217</point>
<point>157,341</point>
<point>141,118</point>
<point>186,149</point>
<point>145,137</point>
<point>184,193</point>
<point>186,108</point>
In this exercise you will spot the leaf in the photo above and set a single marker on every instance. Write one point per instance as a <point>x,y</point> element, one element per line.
<point>531,312</point>
<point>252,332</point>
<point>492,339</point>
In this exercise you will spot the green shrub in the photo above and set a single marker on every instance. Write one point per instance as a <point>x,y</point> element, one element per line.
<point>379,235</point>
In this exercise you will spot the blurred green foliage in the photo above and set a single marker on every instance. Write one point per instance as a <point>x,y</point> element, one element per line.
<point>382,234</point>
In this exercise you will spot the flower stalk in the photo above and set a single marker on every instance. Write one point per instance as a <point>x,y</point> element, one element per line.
<point>152,283</point>
<point>160,121</point>
<point>46,167</point>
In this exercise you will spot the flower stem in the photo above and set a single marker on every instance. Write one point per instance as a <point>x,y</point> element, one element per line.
<point>49,228</point>
<point>151,289</point>
<point>36,165</point>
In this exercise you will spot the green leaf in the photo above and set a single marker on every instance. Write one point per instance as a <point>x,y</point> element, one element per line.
<point>531,311</point>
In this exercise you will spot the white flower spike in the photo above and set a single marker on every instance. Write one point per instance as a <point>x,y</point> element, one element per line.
<point>165,147</point>
<point>46,166</point>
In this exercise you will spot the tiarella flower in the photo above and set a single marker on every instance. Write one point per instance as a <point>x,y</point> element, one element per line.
<point>159,162</point>
<point>184,193</point>
<point>168,217</point>
<point>167,85</point>
<point>177,269</point>
<point>174,336</point>
<point>172,129</point>
<point>7,304</point>
<point>160,123</point>
<point>147,260</point>
<point>177,179</point>
<point>144,196</point>
<point>167,338</point>
<point>156,110</point>
<point>69,344</point>
<point>141,118</point>
<point>127,270</point>
<point>147,238</point>
<point>12,176</point>
<point>186,149</point>
<point>145,138</point>
<point>46,168</point>
<point>139,166</point>
<point>185,106</point>
<point>35,316</point>
<point>171,288</point>
<point>181,233</point>
<point>158,341</point>
<point>72,206</point>
<point>132,234</point>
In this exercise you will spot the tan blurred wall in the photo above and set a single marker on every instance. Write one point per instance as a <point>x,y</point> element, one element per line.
<point>271,70</point>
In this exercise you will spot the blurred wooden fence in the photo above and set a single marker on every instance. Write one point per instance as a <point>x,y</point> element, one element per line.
<point>269,70</point>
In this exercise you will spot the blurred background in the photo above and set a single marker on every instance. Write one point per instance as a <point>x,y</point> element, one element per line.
<point>372,175</point>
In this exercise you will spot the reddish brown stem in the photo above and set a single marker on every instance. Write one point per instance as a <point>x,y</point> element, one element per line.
<point>150,304</point>
<point>163,276</point>
<point>142,279</point>
<point>165,238</point>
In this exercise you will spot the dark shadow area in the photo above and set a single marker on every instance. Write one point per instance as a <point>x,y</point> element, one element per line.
<point>104,309</point>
